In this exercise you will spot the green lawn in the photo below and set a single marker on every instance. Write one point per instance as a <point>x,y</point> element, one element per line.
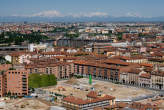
<point>41,80</point>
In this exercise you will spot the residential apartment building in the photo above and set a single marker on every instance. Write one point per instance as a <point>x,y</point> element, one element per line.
<point>59,69</point>
<point>21,57</point>
<point>2,85</point>
<point>96,69</point>
<point>157,80</point>
<point>74,103</point>
<point>141,75</point>
<point>129,75</point>
<point>5,67</point>
<point>144,79</point>
<point>14,82</point>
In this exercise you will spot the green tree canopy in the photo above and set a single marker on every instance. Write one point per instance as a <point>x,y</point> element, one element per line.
<point>119,36</point>
<point>18,38</point>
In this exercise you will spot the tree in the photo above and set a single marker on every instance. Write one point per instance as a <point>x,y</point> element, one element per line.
<point>71,36</point>
<point>119,36</point>
<point>18,38</point>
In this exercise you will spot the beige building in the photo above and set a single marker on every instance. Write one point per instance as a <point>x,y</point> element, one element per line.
<point>144,79</point>
<point>157,80</point>
<point>129,75</point>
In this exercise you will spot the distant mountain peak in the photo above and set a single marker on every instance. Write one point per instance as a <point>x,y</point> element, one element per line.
<point>97,17</point>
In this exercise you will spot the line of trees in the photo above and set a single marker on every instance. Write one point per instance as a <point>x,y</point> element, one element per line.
<point>72,35</point>
<point>66,31</point>
<point>18,38</point>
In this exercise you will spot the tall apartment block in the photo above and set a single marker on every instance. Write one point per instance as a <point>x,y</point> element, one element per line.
<point>14,82</point>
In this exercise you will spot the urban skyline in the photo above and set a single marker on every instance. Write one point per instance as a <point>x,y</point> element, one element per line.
<point>81,55</point>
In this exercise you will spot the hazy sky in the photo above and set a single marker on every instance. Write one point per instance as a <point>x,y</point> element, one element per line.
<point>144,8</point>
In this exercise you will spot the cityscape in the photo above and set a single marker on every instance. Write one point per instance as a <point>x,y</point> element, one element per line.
<point>85,55</point>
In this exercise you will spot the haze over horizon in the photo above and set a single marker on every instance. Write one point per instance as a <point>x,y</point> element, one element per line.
<point>83,8</point>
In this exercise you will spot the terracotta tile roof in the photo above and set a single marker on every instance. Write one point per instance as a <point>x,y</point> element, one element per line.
<point>132,57</point>
<point>21,53</point>
<point>158,73</point>
<point>46,64</point>
<point>78,101</point>
<point>74,100</point>
<point>129,69</point>
<point>115,61</point>
<point>4,67</point>
<point>95,63</point>
<point>145,75</point>
<point>98,108</point>
<point>146,64</point>
<point>121,57</point>
<point>54,53</point>
<point>148,69</point>
<point>92,94</point>
<point>66,57</point>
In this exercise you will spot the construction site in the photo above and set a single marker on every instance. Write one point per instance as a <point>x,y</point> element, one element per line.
<point>24,104</point>
<point>81,87</point>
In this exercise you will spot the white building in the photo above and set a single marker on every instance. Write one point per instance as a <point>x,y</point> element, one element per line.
<point>33,47</point>
<point>8,58</point>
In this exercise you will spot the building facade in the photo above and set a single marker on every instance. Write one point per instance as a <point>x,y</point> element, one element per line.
<point>61,70</point>
<point>14,82</point>
<point>74,103</point>
<point>97,70</point>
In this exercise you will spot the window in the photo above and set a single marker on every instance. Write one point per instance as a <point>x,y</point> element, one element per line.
<point>36,70</point>
<point>50,70</point>
<point>47,70</point>
<point>60,68</point>
<point>94,71</point>
<point>99,72</point>
<point>105,73</point>
<point>65,71</point>
<point>30,70</point>
<point>70,69</point>
<point>89,69</point>
<point>77,69</point>
<point>82,68</point>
